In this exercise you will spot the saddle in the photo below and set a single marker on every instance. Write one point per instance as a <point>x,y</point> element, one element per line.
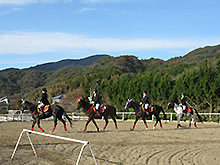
<point>46,108</point>
<point>150,109</point>
<point>188,111</point>
<point>102,109</point>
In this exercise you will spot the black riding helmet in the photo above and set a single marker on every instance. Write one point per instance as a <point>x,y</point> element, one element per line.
<point>95,90</point>
<point>145,91</point>
<point>44,89</point>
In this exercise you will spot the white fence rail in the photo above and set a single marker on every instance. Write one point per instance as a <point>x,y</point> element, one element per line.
<point>53,136</point>
<point>82,116</point>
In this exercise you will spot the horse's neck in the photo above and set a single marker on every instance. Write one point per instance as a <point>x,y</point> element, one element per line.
<point>86,106</point>
<point>177,108</point>
<point>135,106</point>
<point>32,107</point>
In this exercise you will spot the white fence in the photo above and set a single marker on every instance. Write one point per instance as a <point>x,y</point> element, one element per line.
<point>53,136</point>
<point>82,116</point>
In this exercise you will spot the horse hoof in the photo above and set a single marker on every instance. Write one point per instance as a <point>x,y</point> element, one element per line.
<point>146,129</point>
<point>154,128</point>
<point>131,129</point>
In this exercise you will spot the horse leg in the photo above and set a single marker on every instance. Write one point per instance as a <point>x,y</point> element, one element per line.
<point>189,121</point>
<point>55,123</point>
<point>106,122</point>
<point>64,123</point>
<point>95,125</point>
<point>116,126</point>
<point>38,123</point>
<point>194,120</point>
<point>113,118</point>
<point>178,121</point>
<point>145,123</point>
<point>157,119</point>
<point>89,119</point>
<point>135,123</point>
<point>33,124</point>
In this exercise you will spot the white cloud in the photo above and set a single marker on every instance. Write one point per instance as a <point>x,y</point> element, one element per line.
<point>22,2</point>
<point>100,1</point>
<point>40,42</point>
<point>10,11</point>
<point>87,9</point>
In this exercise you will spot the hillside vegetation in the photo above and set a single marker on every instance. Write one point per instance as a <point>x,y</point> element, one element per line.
<point>197,74</point>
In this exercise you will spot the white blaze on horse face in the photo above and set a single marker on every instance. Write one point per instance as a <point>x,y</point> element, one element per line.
<point>129,100</point>
<point>126,105</point>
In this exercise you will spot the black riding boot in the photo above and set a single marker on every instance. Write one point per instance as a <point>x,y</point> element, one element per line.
<point>98,110</point>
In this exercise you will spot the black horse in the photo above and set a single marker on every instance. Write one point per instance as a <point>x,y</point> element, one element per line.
<point>156,109</point>
<point>106,111</point>
<point>54,110</point>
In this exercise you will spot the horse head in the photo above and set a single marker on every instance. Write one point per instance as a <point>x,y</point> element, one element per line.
<point>26,105</point>
<point>127,106</point>
<point>23,104</point>
<point>170,105</point>
<point>79,103</point>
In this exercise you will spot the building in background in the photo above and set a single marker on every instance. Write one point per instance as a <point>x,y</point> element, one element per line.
<point>57,99</point>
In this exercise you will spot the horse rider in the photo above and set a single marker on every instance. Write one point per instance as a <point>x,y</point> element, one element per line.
<point>96,101</point>
<point>145,101</point>
<point>44,101</point>
<point>183,103</point>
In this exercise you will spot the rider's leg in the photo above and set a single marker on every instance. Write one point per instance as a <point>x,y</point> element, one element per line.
<point>40,106</point>
<point>98,108</point>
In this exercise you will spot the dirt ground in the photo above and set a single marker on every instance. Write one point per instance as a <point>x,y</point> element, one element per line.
<point>166,146</point>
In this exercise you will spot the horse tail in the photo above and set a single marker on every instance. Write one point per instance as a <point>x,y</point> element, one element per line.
<point>200,118</point>
<point>115,110</point>
<point>164,114</point>
<point>65,114</point>
<point>68,118</point>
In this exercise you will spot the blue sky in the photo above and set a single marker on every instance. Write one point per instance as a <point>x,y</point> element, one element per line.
<point>38,31</point>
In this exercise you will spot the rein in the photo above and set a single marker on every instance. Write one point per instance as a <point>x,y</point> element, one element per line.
<point>89,109</point>
<point>33,112</point>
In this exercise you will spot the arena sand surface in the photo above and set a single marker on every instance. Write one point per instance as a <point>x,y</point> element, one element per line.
<point>166,146</point>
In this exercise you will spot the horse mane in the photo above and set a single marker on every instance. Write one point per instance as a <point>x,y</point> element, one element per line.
<point>30,104</point>
<point>86,103</point>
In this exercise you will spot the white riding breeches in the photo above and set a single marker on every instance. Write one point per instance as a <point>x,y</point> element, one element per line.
<point>184,107</point>
<point>40,105</point>
<point>97,106</point>
<point>146,106</point>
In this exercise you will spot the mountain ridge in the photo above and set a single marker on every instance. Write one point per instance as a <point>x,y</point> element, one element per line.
<point>54,66</point>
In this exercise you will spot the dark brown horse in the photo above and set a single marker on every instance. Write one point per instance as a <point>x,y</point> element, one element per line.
<point>156,109</point>
<point>54,110</point>
<point>91,112</point>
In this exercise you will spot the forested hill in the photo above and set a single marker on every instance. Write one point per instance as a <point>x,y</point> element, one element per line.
<point>119,78</point>
<point>54,66</point>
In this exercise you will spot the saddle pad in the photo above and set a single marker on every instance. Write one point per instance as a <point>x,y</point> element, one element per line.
<point>189,110</point>
<point>102,109</point>
<point>151,109</point>
<point>46,108</point>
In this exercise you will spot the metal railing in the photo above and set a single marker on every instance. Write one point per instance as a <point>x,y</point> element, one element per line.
<point>82,116</point>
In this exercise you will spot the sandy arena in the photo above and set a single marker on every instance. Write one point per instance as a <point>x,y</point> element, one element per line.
<point>166,146</point>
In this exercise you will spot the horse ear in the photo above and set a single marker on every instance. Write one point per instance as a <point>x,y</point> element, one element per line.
<point>78,99</point>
